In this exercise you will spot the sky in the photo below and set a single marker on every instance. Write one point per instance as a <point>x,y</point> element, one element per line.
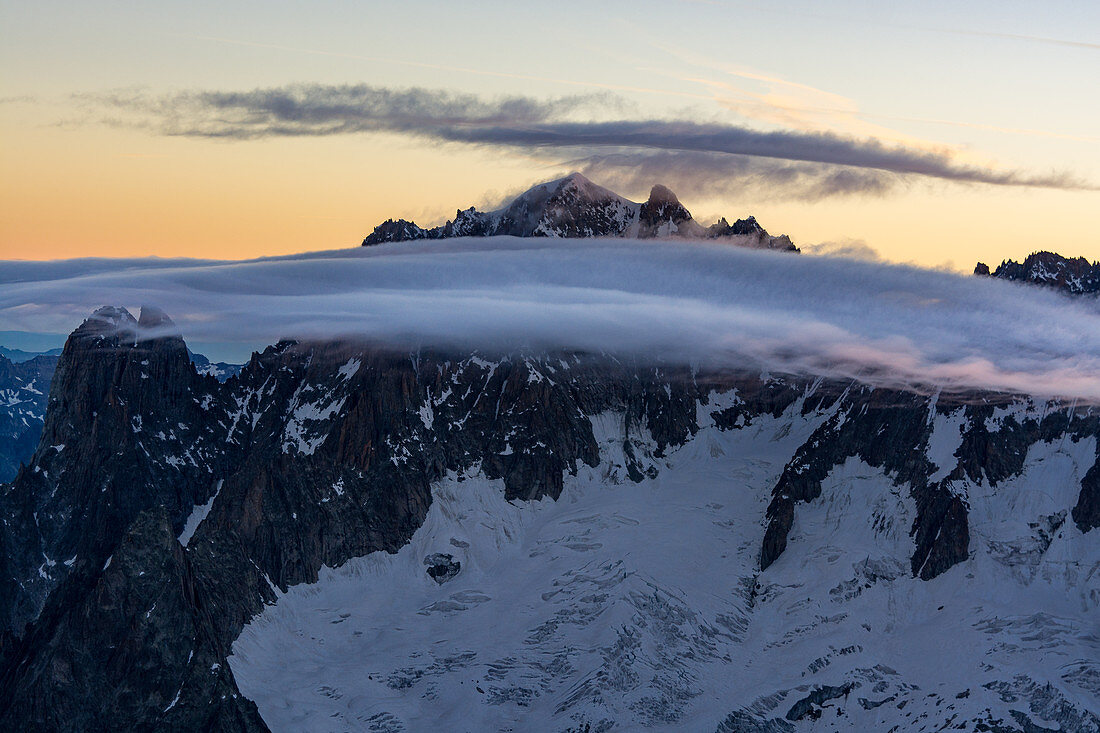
<point>938,133</point>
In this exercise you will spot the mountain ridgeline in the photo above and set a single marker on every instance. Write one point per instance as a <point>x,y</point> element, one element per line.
<point>175,541</point>
<point>1073,275</point>
<point>575,207</point>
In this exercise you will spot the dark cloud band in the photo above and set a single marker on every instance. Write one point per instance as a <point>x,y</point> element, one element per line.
<point>699,174</point>
<point>530,124</point>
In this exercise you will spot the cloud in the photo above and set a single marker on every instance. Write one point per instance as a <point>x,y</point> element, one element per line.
<point>528,124</point>
<point>1033,39</point>
<point>853,249</point>
<point>720,174</point>
<point>708,303</point>
<point>320,110</point>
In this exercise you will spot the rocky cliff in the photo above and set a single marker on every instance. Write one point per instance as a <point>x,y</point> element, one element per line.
<point>24,388</point>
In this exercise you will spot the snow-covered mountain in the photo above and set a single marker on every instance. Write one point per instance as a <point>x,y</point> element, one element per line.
<point>1076,276</point>
<point>350,537</point>
<point>576,207</point>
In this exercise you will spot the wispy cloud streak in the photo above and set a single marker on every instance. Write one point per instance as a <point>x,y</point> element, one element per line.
<point>696,174</point>
<point>527,124</point>
<point>1033,39</point>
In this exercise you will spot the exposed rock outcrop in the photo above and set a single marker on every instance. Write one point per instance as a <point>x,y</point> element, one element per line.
<point>126,647</point>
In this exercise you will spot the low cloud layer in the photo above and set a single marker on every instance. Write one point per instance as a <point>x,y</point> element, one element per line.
<point>883,324</point>
<point>814,164</point>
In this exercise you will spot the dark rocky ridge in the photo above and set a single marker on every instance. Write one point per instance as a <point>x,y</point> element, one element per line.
<point>127,648</point>
<point>24,388</point>
<point>1076,276</point>
<point>317,453</point>
<point>576,207</point>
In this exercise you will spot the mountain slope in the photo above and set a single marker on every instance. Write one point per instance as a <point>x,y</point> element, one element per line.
<point>575,207</point>
<point>352,536</point>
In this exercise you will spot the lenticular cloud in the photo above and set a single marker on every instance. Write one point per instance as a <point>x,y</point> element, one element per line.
<point>704,303</point>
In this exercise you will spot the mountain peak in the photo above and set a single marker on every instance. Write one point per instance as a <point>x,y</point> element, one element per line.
<point>1072,275</point>
<point>152,317</point>
<point>575,178</point>
<point>574,206</point>
<point>153,539</point>
<point>662,215</point>
<point>111,316</point>
<point>574,185</point>
<point>662,194</point>
<point>110,323</point>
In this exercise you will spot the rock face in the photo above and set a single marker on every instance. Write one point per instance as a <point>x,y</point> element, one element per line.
<point>143,561</point>
<point>1076,276</point>
<point>152,664</point>
<point>575,207</point>
<point>24,387</point>
<point>92,472</point>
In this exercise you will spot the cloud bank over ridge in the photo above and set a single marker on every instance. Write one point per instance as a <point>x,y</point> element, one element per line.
<point>880,323</point>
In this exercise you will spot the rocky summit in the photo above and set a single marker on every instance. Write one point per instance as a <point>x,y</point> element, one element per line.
<point>576,207</point>
<point>350,536</point>
<point>1076,276</point>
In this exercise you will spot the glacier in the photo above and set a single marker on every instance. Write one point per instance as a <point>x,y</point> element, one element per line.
<point>623,606</point>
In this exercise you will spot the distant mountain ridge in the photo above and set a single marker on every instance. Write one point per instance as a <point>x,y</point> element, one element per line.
<point>220,370</point>
<point>576,207</point>
<point>1076,276</point>
<point>18,356</point>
